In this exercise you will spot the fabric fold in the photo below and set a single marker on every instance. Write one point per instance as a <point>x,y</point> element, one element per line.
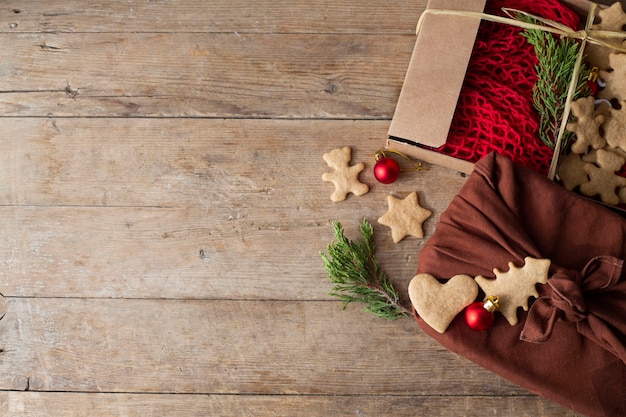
<point>565,300</point>
<point>570,345</point>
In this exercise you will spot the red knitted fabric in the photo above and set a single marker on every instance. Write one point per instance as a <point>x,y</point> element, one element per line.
<point>495,109</point>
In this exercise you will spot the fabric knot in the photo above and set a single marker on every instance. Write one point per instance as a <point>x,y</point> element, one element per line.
<point>565,300</point>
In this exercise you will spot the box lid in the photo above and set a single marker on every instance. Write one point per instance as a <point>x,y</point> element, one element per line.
<point>432,86</point>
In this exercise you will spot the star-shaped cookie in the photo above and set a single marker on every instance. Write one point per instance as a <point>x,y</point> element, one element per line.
<point>405,217</point>
<point>587,125</point>
<point>345,177</point>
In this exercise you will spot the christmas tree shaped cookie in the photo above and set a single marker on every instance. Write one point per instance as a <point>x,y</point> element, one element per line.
<point>516,286</point>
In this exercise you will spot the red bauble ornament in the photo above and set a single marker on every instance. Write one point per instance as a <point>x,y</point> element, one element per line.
<point>594,83</point>
<point>593,87</point>
<point>479,316</point>
<point>386,170</point>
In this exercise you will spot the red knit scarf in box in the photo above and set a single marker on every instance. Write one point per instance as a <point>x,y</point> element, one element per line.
<point>495,110</point>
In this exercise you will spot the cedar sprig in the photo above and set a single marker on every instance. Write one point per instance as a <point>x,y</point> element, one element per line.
<point>556,61</point>
<point>353,268</point>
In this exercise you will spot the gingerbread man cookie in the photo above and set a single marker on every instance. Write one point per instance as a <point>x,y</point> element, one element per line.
<point>345,177</point>
<point>602,179</point>
<point>587,125</point>
<point>571,171</point>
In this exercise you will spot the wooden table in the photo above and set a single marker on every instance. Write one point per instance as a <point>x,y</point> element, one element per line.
<point>163,214</point>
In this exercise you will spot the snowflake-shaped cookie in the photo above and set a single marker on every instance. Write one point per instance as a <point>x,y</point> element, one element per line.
<point>345,177</point>
<point>587,125</point>
<point>515,286</point>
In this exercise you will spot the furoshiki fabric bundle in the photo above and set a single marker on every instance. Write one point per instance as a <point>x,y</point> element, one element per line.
<point>570,346</point>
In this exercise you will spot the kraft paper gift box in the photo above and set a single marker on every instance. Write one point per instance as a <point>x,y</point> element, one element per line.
<point>429,98</point>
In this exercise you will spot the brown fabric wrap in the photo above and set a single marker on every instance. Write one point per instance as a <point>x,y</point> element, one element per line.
<point>570,346</point>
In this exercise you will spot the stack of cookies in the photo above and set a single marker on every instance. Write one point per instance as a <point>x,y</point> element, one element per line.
<point>595,163</point>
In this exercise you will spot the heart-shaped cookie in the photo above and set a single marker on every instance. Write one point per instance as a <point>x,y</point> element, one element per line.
<point>438,304</point>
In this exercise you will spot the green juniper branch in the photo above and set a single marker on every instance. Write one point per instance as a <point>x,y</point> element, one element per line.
<point>556,60</point>
<point>353,268</point>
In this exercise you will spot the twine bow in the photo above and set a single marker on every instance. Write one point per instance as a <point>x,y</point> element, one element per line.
<point>586,35</point>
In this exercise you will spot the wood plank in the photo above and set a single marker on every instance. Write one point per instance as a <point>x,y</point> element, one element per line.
<point>177,253</point>
<point>226,347</point>
<point>35,404</point>
<point>182,209</point>
<point>218,164</point>
<point>202,75</point>
<point>270,16</point>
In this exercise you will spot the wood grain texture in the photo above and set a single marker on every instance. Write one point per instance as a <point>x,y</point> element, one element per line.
<point>163,213</point>
<point>174,253</point>
<point>203,75</point>
<point>227,347</point>
<point>227,164</point>
<point>223,208</point>
<point>300,354</point>
<point>31,404</point>
<point>241,16</point>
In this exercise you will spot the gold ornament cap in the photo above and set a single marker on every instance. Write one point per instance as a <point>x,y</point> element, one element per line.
<point>491,303</point>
